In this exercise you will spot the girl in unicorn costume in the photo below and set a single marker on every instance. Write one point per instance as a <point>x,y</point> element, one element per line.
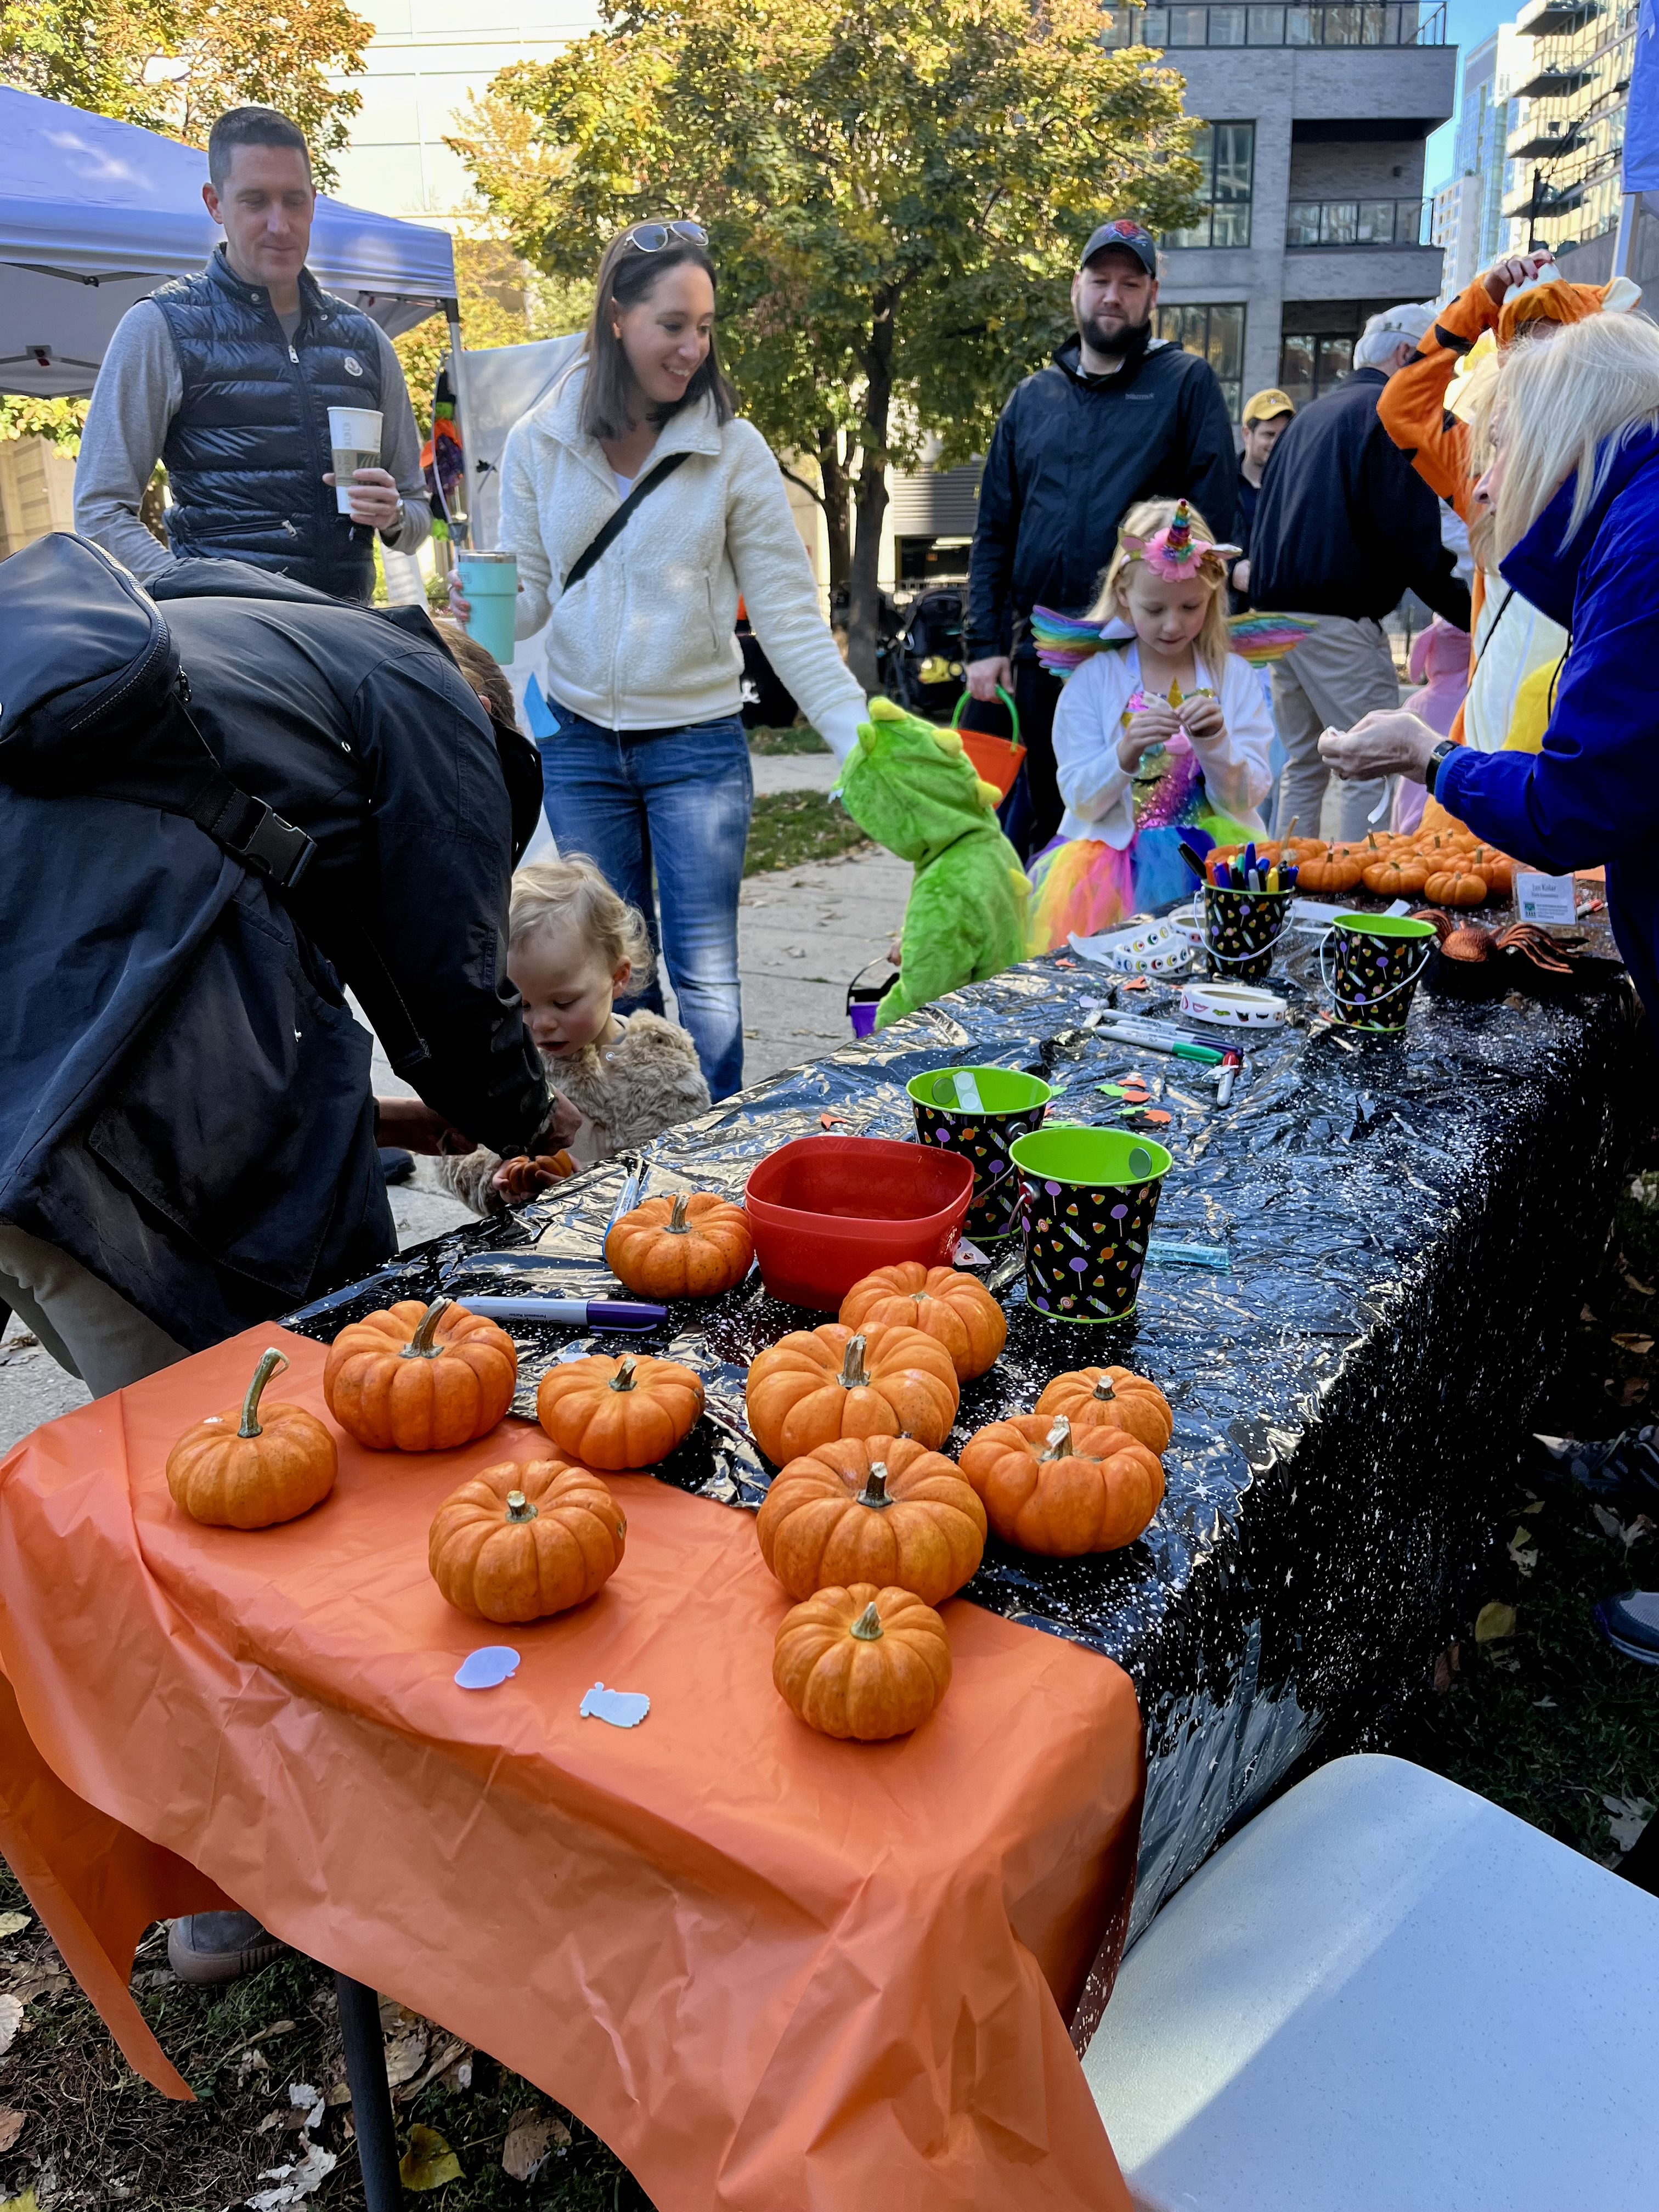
<point>1161,736</point>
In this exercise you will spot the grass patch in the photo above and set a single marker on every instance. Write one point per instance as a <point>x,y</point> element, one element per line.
<point>790,827</point>
<point>799,739</point>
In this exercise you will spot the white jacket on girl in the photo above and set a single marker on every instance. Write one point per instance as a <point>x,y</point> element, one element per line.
<point>1099,795</point>
<point>647,640</point>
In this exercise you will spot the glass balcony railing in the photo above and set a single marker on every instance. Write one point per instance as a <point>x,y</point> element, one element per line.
<point>1358,222</point>
<point>1325,23</point>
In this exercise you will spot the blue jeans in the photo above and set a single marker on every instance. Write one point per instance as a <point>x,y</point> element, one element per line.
<point>680,803</point>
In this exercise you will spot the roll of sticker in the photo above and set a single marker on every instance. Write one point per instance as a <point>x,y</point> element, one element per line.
<point>1152,949</point>
<point>1232,1005</point>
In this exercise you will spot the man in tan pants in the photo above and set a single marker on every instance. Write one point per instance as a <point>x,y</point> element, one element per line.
<point>1343,670</point>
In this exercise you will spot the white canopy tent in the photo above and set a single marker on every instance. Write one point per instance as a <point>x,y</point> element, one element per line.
<point>95,214</point>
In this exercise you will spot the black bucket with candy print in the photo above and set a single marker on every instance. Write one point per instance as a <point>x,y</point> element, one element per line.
<point>1242,928</point>
<point>1375,960</point>
<point>1088,1198</point>
<point>979,1112</point>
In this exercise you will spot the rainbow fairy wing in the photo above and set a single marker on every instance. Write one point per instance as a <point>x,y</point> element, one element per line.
<point>1064,642</point>
<point>1261,639</point>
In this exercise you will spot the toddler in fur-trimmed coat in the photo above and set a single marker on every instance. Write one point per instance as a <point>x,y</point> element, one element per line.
<point>573,947</point>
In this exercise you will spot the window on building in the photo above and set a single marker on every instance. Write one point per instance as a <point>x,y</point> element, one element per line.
<point>1225,152</point>
<point>1310,366</point>
<point>1216,333</point>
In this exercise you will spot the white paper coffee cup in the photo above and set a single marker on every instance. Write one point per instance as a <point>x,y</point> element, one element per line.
<point>354,434</point>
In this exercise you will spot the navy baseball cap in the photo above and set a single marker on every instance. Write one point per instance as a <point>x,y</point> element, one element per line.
<point>1128,237</point>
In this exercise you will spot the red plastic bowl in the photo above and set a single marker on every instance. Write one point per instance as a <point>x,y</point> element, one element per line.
<point>826,1210</point>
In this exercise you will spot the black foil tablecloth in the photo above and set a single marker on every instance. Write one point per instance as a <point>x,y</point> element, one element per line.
<point>1405,1224</point>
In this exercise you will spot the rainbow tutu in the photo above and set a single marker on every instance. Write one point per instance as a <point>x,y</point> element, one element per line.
<point>1082,887</point>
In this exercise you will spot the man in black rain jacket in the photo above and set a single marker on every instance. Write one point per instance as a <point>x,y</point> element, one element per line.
<point>187,1135</point>
<point>1119,416</point>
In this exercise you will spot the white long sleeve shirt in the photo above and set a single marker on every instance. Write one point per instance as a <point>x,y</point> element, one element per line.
<point>646,639</point>
<point>1099,794</point>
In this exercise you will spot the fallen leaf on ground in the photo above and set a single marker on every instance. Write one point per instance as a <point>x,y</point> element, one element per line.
<point>405,2055</point>
<point>12,1923</point>
<point>428,2162</point>
<point>11,2019</point>
<point>294,2182</point>
<point>1493,1622</point>
<point>1631,1340</point>
<point>11,2126</point>
<point>449,2052</point>
<point>1627,1817</point>
<point>530,2138</point>
<point>26,2202</point>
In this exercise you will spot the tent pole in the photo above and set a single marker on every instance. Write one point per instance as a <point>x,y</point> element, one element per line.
<point>462,410</point>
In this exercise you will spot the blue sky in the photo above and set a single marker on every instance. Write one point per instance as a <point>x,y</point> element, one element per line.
<point>1468,22</point>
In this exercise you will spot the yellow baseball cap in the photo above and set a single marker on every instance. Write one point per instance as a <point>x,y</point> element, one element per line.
<point>1263,406</point>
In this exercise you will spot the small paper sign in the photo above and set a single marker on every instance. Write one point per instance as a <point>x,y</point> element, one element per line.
<point>1545,899</point>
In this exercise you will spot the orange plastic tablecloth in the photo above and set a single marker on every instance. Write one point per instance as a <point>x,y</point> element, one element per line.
<point>769,1969</point>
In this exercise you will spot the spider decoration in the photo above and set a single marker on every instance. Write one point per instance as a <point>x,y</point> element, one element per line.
<point>1470,943</point>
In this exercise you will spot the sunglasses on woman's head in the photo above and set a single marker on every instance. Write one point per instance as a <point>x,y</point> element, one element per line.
<point>652,237</point>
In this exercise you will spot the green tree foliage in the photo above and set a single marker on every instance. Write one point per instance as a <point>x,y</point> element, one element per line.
<point>895,190</point>
<point>175,65</point>
<point>503,303</point>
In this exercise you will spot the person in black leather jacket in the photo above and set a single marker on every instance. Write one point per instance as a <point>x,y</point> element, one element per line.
<point>1118,416</point>
<point>187,1135</point>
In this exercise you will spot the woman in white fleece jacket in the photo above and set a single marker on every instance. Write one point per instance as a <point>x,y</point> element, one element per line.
<point>650,767</point>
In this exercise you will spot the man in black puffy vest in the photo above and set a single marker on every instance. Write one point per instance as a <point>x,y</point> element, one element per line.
<point>228,378</point>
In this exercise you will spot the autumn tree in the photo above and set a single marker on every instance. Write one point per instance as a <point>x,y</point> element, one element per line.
<point>896,191</point>
<point>176,65</point>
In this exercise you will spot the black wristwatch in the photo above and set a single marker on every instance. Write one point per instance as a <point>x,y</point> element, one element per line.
<point>1437,761</point>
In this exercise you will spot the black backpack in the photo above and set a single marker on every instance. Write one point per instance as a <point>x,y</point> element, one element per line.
<point>92,701</point>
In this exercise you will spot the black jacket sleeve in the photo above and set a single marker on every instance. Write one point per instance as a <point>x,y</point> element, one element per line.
<point>1212,466</point>
<point>989,628</point>
<point>1402,510</point>
<point>439,862</point>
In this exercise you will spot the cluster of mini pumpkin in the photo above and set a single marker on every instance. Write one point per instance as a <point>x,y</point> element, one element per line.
<point>1447,866</point>
<point>869,1527</point>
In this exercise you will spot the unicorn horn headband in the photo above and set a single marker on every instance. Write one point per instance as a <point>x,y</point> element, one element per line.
<point>1174,553</point>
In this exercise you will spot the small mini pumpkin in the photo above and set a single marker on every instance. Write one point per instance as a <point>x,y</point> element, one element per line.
<point>863,1662</point>
<point>815,1385</point>
<point>618,1413</point>
<point>420,1378</point>
<point>1400,876</point>
<point>1329,870</point>
<point>1050,1491</point>
<point>526,1178</point>
<point>942,1301</point>
<point>517,1543</point>
<point>243,1468</point>
<point>1497,870</point>
<point>871,1510</point>
<point>689,1246</point>
<point>1455,885</point>
<point>1111,1398</point>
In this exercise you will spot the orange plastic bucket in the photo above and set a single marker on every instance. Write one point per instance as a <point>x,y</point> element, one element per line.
<point>996,760</point>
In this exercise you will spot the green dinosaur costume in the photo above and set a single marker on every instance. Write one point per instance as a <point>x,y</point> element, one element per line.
<point>911,787</point>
